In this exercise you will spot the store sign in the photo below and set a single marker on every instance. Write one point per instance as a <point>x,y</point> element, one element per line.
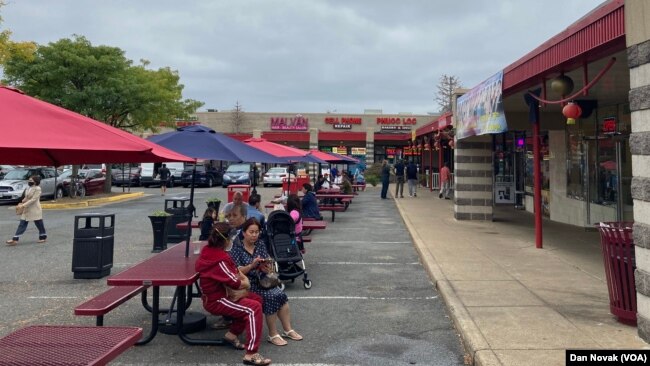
<point>405,121</point>
<point>343,120</point>
<point>297,123</point>
<point>343,150</point>
<point>358,151</point>
<point>504,192</point>
<point>342,126</point>
<point>609,125</point>
<point>395,128</point>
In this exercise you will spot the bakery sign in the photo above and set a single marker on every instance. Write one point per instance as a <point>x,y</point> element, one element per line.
<point>297,123</point>
<point>396,123</point>
<point>342,123</point>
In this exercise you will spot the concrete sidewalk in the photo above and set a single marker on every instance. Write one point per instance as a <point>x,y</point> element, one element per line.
<point>512,303</point>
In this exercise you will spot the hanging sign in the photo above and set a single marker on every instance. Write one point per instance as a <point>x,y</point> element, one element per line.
<point>480,111</point>
<point>358,151</point>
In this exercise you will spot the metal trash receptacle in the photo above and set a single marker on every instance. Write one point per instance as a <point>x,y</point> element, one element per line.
<point>618,256</point>
<point>179,208</point>
<point>92,245</point>
<point>243,188</point>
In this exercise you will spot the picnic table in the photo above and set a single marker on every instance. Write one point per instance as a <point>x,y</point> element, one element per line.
<point>66,345</point>
<point>327,202</point>
<point>167,268</point>
<point>183,225</point>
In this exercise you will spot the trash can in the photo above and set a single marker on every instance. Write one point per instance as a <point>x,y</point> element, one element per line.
<point>179,208</point>
<point>618,256</point>
<point>92,245</point>
<point>243,188</point>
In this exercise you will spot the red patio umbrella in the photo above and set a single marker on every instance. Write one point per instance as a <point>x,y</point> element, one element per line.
<point>39,133</point>
<point>279,150</point>
<point>327,157</point>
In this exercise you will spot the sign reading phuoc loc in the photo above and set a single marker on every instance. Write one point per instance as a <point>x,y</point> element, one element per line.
<point>480,111</point>
<point>297,123</point>
<point>396,123</point>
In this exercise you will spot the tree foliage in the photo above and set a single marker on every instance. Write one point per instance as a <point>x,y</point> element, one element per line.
<point>8,47</point>
<point>101,83</point>
<point>446,86</point>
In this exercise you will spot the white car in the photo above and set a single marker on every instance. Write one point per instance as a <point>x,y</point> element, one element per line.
<point>14,183</point>
<point>274,176</point>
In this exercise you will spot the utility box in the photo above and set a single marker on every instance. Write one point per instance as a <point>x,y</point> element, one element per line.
<point>92,246</point>
<point>179,208</point>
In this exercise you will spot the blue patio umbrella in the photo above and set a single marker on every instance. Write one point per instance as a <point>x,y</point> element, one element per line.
<point>200,142</point>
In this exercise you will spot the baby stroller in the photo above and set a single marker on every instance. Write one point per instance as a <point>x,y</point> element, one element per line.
<point>282,245</point>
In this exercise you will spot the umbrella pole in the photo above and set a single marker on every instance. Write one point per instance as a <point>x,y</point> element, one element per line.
<point>254,179</point>
<point>191,209</point>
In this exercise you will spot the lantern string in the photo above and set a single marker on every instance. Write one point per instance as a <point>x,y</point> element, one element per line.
<point>585,88</point>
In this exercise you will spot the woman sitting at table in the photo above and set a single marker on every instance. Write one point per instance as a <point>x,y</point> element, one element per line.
<point>222,284</point>
<point>251,256</point>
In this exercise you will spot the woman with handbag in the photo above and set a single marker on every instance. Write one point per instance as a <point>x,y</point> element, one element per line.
<point>30,209</point>
<point>225,292</point>
<point>253,259</point>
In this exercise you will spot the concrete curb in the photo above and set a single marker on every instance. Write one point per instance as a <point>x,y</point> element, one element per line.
<point>92,202</point>
<point>475,344</point>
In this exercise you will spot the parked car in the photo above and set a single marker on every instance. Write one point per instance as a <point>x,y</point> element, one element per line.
<point>205,176</point>
<point>15,181</point>
<point>237,174</point>
<point>92,181</point>
<point>149,173</point>
<point>125,177</point>
<point>4,169</point>
<point>275,175</point>
<point>60,181</point>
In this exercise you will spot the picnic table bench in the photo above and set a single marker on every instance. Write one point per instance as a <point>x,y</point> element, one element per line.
<point>310,224</point>
<point>105,302</point>
<point>358,187</point>
<point>66,345</point>
<point>183,225</point>
<point>327,202</point>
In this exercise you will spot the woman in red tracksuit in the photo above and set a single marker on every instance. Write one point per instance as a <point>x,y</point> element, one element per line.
<point>217,272</point>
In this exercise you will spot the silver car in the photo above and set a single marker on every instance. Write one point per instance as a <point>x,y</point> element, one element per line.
<point>14,183</point>
<point>275,175</point>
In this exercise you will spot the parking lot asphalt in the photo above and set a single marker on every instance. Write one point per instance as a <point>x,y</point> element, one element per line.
<point>372,302</point>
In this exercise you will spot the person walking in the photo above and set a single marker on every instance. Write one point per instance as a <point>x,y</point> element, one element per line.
<point>445,181</point>
<point>412,176</point>
<point>31,211</point>
<point>399,175</point>
<point>164,178</point>
<point>385,178</point>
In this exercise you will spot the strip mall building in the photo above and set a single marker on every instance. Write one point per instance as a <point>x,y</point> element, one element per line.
<point>369,137</point>
<point>509,139</point>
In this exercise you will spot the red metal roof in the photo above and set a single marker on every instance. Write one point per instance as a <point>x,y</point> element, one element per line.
<point>442,122</point>
<point>286,136</point>
<point>599,33</point>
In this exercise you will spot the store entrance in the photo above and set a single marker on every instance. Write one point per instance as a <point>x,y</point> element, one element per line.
<point>509,167</point>
<point>607,179</point>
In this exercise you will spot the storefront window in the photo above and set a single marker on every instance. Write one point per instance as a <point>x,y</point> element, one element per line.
<point>544,163</point>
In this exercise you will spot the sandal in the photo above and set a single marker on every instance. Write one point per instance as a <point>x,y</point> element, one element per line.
<point>11,242</point>
<point>293,335</point>
<point>277,340</point>
<point>235,343</point>
<point>257,359</point>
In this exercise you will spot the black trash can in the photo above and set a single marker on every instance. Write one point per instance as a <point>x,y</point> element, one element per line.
<point>620,262</point>
<point>92,246</point>
<point>179,208</point>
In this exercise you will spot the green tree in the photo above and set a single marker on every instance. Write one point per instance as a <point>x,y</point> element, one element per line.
<point>101,83</point>
<point>8,47</point>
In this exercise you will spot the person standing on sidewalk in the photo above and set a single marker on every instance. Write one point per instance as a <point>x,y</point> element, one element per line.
<point>445,181</point>
<point>32,211</point>
<point>164,177</point>
<point>399,175</point>
<point>385,178</point>
<point>412,176</point>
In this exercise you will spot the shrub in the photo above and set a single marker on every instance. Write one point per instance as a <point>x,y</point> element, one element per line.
<point>160,213</point>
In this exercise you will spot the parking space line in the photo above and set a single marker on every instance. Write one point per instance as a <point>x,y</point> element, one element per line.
<point>369,263</point>
<point>359,298</point>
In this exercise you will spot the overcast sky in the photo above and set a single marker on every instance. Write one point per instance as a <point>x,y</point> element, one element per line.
<point>307,55</point>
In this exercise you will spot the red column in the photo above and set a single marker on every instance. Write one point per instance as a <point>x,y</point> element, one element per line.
<point>537,183</point>
<point>431,163</point>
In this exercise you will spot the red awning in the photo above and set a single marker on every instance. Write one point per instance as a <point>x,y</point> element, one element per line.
<point>38,133</point>
<point>442,122</point>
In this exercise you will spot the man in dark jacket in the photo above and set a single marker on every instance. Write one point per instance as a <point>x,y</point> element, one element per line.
<point>412,176</point>
<point>385,178</point>
<point>310,203</point>
<point>399,175</point>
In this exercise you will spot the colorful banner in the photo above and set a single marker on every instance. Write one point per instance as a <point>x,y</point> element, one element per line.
<point>480,111</point>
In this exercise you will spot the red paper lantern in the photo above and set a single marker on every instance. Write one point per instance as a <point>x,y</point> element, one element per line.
<point>571,111</point>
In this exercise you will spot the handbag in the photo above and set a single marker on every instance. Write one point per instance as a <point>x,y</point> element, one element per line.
<point>20,210</point>
<point>268,280</point>
<point>235,295</point>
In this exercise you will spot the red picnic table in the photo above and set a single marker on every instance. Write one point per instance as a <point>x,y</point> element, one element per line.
<point>167,268</point>
<point>66,345</point>
<point>183,225</point>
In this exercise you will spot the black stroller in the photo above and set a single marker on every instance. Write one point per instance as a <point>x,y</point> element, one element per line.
<point>282,245</point>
